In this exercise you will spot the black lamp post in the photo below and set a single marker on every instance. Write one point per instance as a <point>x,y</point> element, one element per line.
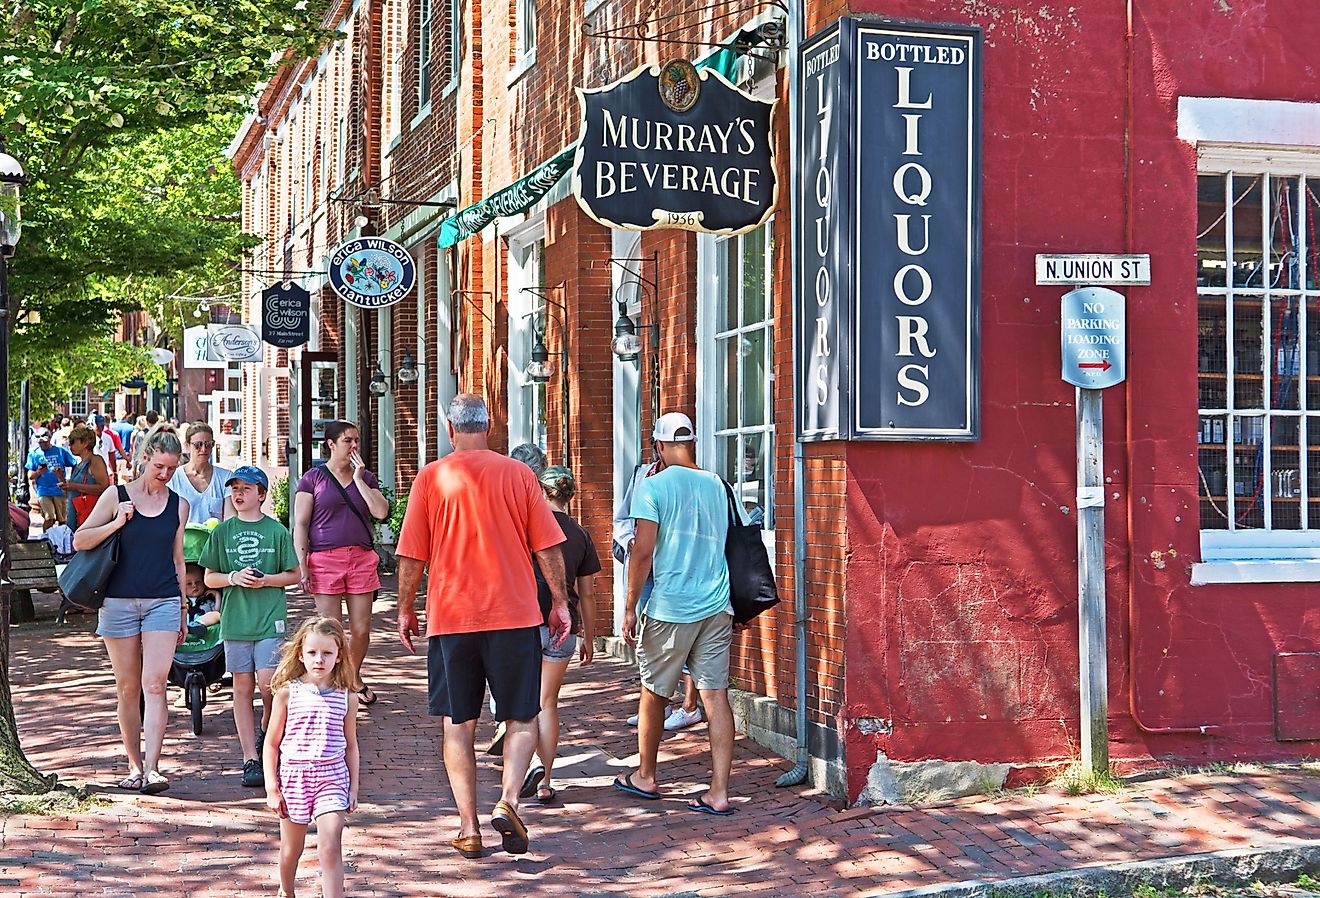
<point>12,179</point>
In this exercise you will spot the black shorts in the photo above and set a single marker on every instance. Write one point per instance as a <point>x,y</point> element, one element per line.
<point>460,665</point>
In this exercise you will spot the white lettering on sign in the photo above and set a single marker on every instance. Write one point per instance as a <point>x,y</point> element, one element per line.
<point>822,216</point>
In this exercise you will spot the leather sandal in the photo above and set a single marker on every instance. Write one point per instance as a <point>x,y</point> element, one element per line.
<point>468,846</point>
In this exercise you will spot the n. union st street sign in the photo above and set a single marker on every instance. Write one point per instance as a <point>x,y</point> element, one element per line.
<point>888,244</point>
<point>676,147</point>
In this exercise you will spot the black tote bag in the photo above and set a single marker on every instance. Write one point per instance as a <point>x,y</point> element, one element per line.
<point>85,576</point>
<point>751,578</point>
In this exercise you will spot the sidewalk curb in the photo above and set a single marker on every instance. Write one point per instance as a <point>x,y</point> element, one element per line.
<point>1239,866</point>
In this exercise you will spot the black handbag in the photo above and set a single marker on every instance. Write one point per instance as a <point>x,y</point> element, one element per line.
<point>752,587</point>
<point>84,578</point>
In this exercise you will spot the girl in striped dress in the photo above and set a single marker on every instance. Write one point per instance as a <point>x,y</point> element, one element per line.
<point>311,755</point>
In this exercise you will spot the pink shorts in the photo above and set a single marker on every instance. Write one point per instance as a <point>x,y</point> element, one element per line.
<point>348,570</point>
<point>313,789</point>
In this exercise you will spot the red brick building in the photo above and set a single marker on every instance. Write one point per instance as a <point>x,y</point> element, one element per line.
<point>940,577</point>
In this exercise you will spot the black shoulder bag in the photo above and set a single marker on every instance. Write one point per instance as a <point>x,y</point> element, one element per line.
<point>84,578</point>
<point>371,531</point>
<point>751,578</point>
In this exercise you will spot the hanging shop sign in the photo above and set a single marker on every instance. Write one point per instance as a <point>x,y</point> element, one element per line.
<point>197,348</point>
<point>286,315</point>
<point>234,343</point>
<point>372,272</point>
<point>676,146</point>
<point>518,197</point>
<point>887,251</point>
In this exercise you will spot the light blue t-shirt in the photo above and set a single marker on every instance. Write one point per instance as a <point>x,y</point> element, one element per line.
<point>692,511</point>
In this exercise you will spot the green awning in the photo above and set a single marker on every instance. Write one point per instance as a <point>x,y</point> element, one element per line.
<point>521,195</point>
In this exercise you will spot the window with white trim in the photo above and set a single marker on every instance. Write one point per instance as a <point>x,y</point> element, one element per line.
<point>78,402</point>
<point>455,38</point>
<point>423,53</point>
<point>527,316</point>
<point>743,335</point>
<point>525,31</point>
<point>1258,356</point>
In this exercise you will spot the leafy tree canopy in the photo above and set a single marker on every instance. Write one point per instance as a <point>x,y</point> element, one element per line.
<point>121,110</point>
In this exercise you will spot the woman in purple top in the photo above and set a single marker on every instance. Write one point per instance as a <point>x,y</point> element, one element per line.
<point>335,509</point>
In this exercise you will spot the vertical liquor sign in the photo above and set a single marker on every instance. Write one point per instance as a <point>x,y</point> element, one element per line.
<point>822,260</point>
<point>900,105</point>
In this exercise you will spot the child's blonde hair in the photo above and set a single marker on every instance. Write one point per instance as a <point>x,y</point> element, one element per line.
<point>291,666</point>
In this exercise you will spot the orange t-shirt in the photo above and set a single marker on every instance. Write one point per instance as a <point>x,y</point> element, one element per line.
<point>475,518</point>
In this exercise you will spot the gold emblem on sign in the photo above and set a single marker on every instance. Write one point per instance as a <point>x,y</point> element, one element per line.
<point>679,85</point>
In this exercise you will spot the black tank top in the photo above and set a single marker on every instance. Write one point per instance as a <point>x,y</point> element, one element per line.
<point>146,556</point>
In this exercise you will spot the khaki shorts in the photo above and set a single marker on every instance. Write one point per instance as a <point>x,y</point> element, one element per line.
<point>663,648</point>
<point>52,508</point>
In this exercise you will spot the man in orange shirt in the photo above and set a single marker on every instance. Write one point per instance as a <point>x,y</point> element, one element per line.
<point>474,521</point>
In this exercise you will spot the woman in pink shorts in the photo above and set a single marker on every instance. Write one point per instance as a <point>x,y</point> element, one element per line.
<point>336,507</point>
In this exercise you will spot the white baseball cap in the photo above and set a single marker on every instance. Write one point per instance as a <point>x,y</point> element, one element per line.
<point>668,425</point>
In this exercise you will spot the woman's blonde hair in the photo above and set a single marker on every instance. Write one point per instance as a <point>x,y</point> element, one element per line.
<point>291,666</point>
<point>161,438</point>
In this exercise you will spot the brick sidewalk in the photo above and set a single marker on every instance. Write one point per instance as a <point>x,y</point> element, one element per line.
<point>208,836</point>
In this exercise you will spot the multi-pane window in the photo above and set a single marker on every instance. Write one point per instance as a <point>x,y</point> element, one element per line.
<point>525,16</point>
<point>527,409</point>
<point>455,38</point>
<point>423,52</point>
<point>744,349</point>
<point>1258,353</point>
<point>78,402</point>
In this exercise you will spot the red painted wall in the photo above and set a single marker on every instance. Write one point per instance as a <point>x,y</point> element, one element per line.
<point>961,582</point>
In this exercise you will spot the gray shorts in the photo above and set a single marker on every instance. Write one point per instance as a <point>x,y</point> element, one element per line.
<point>663,648</point>
<point>122,618</point>
<point>562,652</point>
<point>248,656</point>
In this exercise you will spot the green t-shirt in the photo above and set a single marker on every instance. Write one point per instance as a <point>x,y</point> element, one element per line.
<point>251,614</point>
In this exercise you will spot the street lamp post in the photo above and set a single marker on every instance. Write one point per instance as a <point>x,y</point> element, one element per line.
<point>12,179</point>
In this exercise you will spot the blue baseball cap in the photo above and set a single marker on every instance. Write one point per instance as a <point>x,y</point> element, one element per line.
<point>250,474</point>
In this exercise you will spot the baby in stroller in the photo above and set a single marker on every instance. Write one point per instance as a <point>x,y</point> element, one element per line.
<point>203,614</point>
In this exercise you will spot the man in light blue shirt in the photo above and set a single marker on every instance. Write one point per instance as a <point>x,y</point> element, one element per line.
<point>682,516</point>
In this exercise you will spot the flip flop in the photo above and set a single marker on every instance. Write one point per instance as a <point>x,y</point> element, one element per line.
<point>153,783</point>
<point>131,783</point>
<point>530,781</point>
<point>701,807</point>
<point>626,785</point>
<point>366,691</point>
<point>546,794</point>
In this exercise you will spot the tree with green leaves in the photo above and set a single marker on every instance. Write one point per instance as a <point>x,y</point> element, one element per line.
<point>120,110</point>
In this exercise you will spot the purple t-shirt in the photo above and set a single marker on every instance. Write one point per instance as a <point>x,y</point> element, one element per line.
<point>333,524</point>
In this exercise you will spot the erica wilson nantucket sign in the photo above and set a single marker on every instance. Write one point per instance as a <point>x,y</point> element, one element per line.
<point>372,272</point>
<point>888,243</point>
<point>673,146</point>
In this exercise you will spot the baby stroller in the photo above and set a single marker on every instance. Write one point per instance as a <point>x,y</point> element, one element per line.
<point>199,660</point>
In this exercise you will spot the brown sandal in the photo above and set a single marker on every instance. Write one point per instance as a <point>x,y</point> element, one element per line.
<point>468,846</point>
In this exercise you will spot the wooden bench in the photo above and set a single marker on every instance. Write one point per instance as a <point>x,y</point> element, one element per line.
<point>31,566</point>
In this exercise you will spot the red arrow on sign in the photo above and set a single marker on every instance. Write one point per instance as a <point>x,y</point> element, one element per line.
<point>1103,366</point>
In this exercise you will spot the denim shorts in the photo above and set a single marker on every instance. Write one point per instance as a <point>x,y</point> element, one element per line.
<point>122,618</point>
<point>250,656</point>
<point>562,652</point>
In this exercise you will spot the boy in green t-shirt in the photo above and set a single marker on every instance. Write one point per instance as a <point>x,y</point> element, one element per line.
<point>251,556</point>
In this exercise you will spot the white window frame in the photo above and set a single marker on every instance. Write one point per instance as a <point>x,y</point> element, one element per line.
<point>1264,554</point>
<point>713,283</point>
<point>78,404</point>
<point>524,42</point>
<point>455,45</point>
<point>425,87</point>
<point>528,422</point>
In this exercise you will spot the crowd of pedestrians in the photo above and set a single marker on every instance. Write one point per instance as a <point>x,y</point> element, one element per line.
<point>508,604</point>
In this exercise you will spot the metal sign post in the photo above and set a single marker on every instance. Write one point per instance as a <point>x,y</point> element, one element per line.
<point>1093,337</point>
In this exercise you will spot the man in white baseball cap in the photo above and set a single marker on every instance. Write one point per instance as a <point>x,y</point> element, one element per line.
<point>682,516</point>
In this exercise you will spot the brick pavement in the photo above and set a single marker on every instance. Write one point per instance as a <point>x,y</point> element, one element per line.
<point>208,836</point>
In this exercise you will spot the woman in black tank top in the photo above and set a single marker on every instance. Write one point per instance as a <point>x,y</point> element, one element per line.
<point>143,617</point>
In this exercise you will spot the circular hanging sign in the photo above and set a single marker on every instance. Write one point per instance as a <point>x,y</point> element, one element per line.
<point>680,85</point>
<point>372,272</point>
